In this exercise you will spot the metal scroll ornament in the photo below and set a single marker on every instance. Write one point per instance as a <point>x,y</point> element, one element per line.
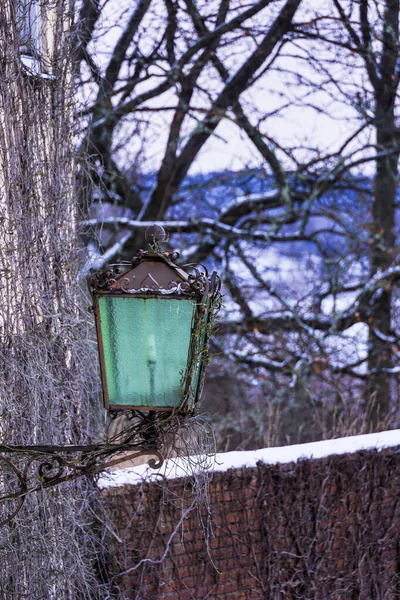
<point>194,280</point>
<point>29,469</point>
<point>189,279</point>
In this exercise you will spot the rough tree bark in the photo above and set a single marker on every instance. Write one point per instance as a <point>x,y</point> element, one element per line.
<point>46,377</point>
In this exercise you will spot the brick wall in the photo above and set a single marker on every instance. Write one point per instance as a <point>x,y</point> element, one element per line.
<point>314,529</point>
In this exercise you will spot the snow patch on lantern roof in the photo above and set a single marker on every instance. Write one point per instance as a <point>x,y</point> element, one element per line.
<point>180,467</point>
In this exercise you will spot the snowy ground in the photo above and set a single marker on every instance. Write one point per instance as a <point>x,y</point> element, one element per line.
<point>175,468</point>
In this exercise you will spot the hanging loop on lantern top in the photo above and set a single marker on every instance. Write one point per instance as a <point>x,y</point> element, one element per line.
<point>153,321</point>
<point>155,235</point>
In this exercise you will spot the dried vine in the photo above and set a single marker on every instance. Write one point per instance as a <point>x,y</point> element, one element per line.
<point>48,389</point>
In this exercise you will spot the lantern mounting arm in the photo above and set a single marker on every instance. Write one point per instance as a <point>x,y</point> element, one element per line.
<point>151,275</point>
<point>28,469</point>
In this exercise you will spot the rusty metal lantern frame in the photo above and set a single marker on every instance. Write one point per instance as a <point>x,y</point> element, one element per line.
<point>148,276</point>
<point>29,469</point>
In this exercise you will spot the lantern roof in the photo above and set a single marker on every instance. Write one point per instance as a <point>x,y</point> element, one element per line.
<point>152,272</point>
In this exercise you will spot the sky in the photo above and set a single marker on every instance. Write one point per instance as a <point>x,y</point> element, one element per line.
<point>229,148</point>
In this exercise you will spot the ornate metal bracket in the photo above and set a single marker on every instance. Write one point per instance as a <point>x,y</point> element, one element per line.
<point>34,468</point>
<point>28,469</point>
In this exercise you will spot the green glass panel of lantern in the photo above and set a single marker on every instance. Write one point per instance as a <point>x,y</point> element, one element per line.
<point>146,347</point>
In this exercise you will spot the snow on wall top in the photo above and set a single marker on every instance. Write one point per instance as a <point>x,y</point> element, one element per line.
<point>174,468</point>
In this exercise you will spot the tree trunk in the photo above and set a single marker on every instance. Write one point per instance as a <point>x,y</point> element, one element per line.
<point>382,255</point>
<point>46,552</point>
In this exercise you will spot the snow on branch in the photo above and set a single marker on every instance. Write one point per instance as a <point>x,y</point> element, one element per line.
<point>291,320</point>
<point>357,308</point>
<point>264,362</point>
<point>98,262</point>
<point>197,225</point>
<point>285,321</point>
<point>243,204</point>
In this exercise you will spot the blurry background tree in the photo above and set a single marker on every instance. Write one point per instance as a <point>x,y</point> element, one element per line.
<point>263,135</point>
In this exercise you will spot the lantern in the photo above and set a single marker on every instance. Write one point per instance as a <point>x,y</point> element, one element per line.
<point>153,320</point>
